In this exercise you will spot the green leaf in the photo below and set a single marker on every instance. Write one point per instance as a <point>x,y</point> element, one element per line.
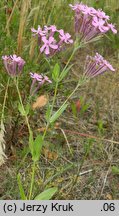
<point>22,193</point>
<point>64,73</point>
<point>37,147</point>
<point>47,194</point>
<point>58,113</point>
<point>115,170</point>
<point>74,110</point>
<point>27,109</point>
<point>21,110</point>
<point>31,142</point>
<point>84,108</point>
<point>48,111</point>
<point>56,72</point>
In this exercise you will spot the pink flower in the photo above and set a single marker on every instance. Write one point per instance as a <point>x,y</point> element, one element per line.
<point>36,76</point>
<point>112,27</point>
<point>90,23</point>
<point>96,65</point>
<point>39,31</point>
<point>101,14</point>
<point>99,23</point>
<point>51,28</point>
<point>51,40</point>
<point>108,65</point>
<point>98,58</point>
<point>88,10</point>
<point>48,43</point>
<point>5,58</point>
<point>77,7</point>
<point>47,79</point>
<point>13,64</point>
<point>38,81</point>
<point>65,37</point>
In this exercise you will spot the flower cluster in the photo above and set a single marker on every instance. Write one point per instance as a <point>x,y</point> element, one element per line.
<point>96,65</point>
<point>47,39</point>
<point>90,23</point>
<point>38,81</point>
<point>13,64</point>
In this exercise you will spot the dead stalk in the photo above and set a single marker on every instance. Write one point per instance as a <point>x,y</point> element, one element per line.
<point>23,17</point>
<point>10,17</point>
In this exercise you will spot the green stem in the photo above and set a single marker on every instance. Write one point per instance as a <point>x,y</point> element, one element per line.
<point>79,84</point>
<point>32,180</point>
<point>74,50</point>
<point>54,98</point>
<point>20,99</point>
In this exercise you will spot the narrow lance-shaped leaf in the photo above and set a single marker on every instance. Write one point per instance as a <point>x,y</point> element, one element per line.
<point>58,113</point>
<point>21,110</point>
<point>27,109</point>
<point>21,190</point>
<point>64,73</point>
<point>48,111</point>
<point>37,147</point>
<point>56,72</point>
<point>47,194</point>
<point>31,142</point>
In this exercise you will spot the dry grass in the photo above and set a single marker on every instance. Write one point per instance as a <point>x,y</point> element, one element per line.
<point>2,144</point>
<point>25,6</point>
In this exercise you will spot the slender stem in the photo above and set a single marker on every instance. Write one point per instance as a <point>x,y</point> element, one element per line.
<point>79,84</point>
<point>54,98</point>
<point>32,180</point>
<point>74,50</point>
<point>69,59</point>
<point>20,99</point>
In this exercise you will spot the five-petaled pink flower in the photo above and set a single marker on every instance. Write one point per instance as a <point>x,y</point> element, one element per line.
<point>36,76</point>
<point>39,31</point>
<point>101,14</point>
<point>65,37</point>
<point>100,24</point>
<point>52,28</point>
<point>13,64</point>
<point>48,43</point>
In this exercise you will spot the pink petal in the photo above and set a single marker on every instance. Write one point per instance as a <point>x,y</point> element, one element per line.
<point>47,51</point>
<point>54,46</point>
<point>42,48</point>
<point>44,39</point>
